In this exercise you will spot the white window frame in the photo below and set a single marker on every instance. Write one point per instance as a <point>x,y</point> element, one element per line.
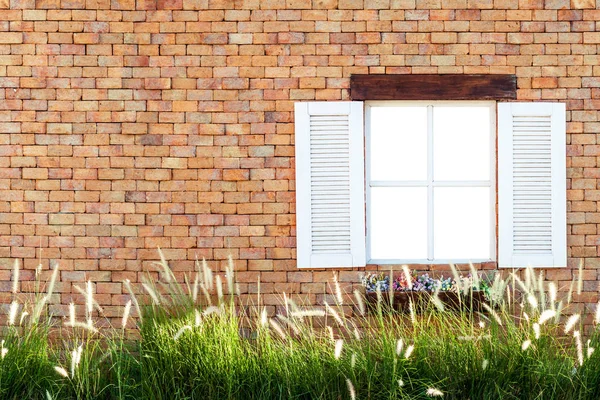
<point>430,184</point>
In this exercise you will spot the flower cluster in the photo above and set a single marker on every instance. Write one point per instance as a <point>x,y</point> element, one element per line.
<point>372,281</point>
<point>421,283</point>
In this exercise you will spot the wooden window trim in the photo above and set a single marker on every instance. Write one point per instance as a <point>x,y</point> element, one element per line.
<point>433,87</point>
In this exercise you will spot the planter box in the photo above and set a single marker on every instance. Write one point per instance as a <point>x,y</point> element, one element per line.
<point>451,300</point>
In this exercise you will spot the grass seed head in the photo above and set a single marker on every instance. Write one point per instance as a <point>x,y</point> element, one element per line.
<point>24,314</point>
<point>433,392</point>
<point>151,292</point>
<point>207,274</point>
<point>411,308</point>
<point>15,285</point>
<point>330,333</point>
<point>409,351</point>
<point>230,274</point>
<point>407,276</point>
<point>212,310</point>
<point>525,345</point>
<point>536,330</point>
<point>89,298</point>
<point>351,389</point>
<point>339,344</point>
<point>330,310</point>
<point>12,314</point>
<point>571,322</point>
<point>181,331</point>
<point>579,345</point>
<point>52,280</point>
<point>580,277</point>
<point>71,314</point>
<point>546,315</point>
<point>313,312</point>
<point>197,318</point>
<point>457,278</point>
<point>133,298</point>
<point>289,323</point>
<point>493,313</point>
<point>263,317</point>
<point>126,312</point>
<point>532,300</point>
<point>399,346</point>
<point>435,299</point>
<point>338,291</point>
<point>552,291</point>
<point>219,289</point>
<point>277,328</point>
<point>61,371</point>
<point>360,302</point>
<point>590,350</point>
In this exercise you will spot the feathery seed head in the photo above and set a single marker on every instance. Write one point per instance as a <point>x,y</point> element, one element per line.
<point>351,389</point>
<point>126,311</point>
<point>546,315</point>
<point>399,346</point>
<point>433,392</point>
<point>61,371</point>
<point>409,351</point>
<point>571,322</point>
<point>536,330</point>
<point>12,315</point>
<point>15,285</point>
<point>339,344</point>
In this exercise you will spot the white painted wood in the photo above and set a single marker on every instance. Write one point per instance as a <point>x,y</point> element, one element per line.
<point>330,201</point>
<point>430,222</point>
<point>532,228</point>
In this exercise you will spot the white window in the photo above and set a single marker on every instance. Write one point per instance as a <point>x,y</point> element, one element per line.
<point>430,182</point>
<point>430,190</point>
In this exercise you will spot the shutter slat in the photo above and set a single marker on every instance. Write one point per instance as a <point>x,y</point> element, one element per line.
<point>329,184</point>
<point>531,185</point>
<point>525,206</point>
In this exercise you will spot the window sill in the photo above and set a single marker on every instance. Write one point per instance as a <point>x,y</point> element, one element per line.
<point>428,262</point>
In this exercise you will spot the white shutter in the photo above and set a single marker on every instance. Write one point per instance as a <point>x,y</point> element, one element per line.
<point>532,226</point>
<point>330,205</point>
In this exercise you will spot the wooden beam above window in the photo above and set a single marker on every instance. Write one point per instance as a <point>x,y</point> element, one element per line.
<point>433,87</point>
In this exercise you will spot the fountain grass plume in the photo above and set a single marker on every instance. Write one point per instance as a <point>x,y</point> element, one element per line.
<point>125,316</point>
<point>299,353</point>
<point>15,278</point>
<point>580,277</point>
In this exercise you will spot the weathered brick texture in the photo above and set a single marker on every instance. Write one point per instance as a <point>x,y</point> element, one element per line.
<point>128,125</point>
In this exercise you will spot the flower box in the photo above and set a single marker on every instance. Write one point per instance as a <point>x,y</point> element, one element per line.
<point>420,300</point>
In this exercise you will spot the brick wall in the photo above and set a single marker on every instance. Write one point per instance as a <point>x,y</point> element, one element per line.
<point>130,125</point>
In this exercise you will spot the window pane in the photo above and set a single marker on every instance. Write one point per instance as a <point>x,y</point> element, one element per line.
<point>461,143</point>
<point>461,219</point>
<point>398,143</point>
<point>398,226</point>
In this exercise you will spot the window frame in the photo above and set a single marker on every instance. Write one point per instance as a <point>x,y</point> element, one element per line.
<point>429,184</point>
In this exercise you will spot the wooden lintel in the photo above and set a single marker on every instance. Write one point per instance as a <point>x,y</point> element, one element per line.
<point>433,87</point>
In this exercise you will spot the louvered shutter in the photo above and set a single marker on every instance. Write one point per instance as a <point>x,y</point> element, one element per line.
<point>330,205</point>
<point>532,228</point>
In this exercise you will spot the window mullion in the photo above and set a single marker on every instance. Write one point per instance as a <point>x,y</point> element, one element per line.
<point>430,243</point>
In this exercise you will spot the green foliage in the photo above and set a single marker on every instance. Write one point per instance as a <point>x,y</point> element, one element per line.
<point>520,348</point>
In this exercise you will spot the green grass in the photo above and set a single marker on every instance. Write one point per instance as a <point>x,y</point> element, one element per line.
<point>225,351</point>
